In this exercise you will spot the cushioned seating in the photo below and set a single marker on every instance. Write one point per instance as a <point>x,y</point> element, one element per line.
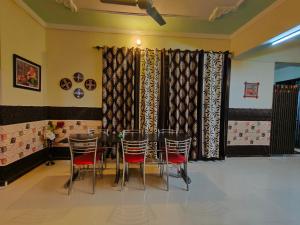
<point>85,159</point>
<point>134,158</point>
<point>175,158</point>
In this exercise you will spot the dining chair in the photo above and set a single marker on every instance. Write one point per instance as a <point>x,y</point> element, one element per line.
<point>167,131</point>
<point>131,132</point>
<point>83,153</point>
<point>134,152</point>
<point>104,149</point>
<point>161,146</point>
<point>177,152</point>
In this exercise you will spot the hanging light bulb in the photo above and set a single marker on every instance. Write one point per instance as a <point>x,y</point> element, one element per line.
<point>138,42</point>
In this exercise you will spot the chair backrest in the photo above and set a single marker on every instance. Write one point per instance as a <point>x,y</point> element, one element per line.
<point>131,133</point>
<point>178,147</point>
<point>103,131</point>
<point>82,146</point>
<point>134,147</point>
<point>167,131</point>
<point>91,131</point>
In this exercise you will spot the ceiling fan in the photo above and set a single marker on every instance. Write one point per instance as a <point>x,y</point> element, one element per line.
<point>142,4</point>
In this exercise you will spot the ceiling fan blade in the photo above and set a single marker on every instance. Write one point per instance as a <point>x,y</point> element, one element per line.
<point>121,2</point>
<point>155,15</point>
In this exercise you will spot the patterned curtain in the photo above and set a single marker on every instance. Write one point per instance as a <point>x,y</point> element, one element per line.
<point>183,93</point>
<point>118,89</point>
<point>212,82</point>
<point>150,72</point>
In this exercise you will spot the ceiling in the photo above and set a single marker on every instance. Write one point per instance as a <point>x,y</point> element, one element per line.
<point>287,52</point>
<point>200,9</point>
<point>188,16</point>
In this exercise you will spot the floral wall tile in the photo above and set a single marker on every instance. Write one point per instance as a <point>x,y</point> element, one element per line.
<point>249,133</point>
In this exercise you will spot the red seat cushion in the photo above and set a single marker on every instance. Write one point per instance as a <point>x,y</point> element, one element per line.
<point>175,158</point>
<point>139,158</point>
<point>85,159</point>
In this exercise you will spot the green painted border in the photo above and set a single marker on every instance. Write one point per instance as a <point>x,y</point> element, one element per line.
<point>54,13</point>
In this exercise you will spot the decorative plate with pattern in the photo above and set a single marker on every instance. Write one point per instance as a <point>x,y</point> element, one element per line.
<point>78,77</point>
<point>90,84</point>
<point>78,93</point>
<point>65,83</point>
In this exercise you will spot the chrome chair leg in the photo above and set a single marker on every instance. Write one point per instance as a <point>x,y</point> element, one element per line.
<point>186,176</point>
<point>123,178</point>
<point>167,173</point>
<point>71,180</point>
<point>127,172</point>
<point>94,178</point>
<point>102,164</point>
<point>144,176</point>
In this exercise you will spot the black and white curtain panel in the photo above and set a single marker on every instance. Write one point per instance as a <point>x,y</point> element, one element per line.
<point>197,99</point>
<point>118,89</point>
<point>212,80</point>
<point>183,93</point>
<point>150,72</point>
<point>182,90</point>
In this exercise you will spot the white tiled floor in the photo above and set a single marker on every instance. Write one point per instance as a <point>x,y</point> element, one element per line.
<point>237,191</point>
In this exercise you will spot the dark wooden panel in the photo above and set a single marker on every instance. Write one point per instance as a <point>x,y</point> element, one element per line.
<point>16,169</point>
<point>60,153</point>
<point>247,150</point>
<point>250,114</point>
<point>285,98</point>
<point>74,113</point>
<point>21,114</point>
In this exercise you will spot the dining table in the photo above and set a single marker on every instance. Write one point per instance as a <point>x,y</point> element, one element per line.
<point>114,139</point>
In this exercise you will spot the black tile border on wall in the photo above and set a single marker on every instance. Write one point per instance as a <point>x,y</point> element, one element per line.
<point>18,168</point>
<point>242,114</point>
<point>247,150</point>
<point>22,114</point>
<point>74,113</point>
<point>239,114</point>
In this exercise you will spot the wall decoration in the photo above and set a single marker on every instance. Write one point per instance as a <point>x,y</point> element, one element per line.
<point>26,74</point>
<point>90,84</point>
<point>78,93</point>
<point>249,133</point>
<point>251,90</point>
<point>78,77</point>
<point>17,141</point>
<point>65,83</point>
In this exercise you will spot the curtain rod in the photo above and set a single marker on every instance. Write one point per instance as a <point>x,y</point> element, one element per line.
<point>98,47</point>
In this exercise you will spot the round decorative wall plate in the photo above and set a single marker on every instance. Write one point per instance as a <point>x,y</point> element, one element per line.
<point>90,84</point>
<point>78,93</point>
<point>65,83</point>
<point>78,77</point>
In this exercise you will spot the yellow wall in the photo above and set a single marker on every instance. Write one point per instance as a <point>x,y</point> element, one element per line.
<point>278,19</point>
<point>72,51</point>
<point>21,35</point>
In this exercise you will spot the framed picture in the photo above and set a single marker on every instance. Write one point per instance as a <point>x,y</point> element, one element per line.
<point>27,74</point>
<point>251,90</point>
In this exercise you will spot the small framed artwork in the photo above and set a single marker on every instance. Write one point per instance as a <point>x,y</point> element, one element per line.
<point>251,90</point>
<point>26,74</point>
